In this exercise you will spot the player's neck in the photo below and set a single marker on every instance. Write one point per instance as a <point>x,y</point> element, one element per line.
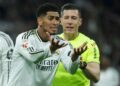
<point>69,36</point>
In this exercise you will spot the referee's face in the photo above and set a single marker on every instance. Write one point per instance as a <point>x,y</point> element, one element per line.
<point>70,20</point>
<point>50,22</point>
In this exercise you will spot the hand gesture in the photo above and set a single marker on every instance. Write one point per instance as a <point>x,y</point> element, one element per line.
<point>78,51</point>
<point>55,43</point>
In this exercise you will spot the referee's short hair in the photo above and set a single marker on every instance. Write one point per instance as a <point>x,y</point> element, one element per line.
<point>43,9</point>
<point>70,6</point>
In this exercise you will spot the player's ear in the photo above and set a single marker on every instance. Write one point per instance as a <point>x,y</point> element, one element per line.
<point>39,20</point>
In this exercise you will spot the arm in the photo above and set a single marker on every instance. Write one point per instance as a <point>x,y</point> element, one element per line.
<point>92,70</point>
<point>73,58</point>
<point>65,58</point>
<point>0,59</point>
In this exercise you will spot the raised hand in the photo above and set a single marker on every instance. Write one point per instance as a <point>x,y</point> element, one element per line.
<point>78,51</point>
<point>55,43</point>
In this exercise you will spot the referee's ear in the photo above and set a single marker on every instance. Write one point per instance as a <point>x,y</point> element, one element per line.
<point>80,22</point>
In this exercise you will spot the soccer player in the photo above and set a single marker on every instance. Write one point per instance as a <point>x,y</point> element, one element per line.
<point>90,64</point>
<point>6,49</point>
<point>38,52</point>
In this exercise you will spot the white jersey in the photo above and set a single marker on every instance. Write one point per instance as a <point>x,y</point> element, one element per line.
<point>33,63</point>
<point>6,49</point>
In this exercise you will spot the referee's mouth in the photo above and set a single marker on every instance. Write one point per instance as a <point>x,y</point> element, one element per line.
<point>69,28</point>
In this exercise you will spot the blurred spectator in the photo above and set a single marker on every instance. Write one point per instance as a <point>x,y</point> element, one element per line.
<point>116,58</point>
<point>109,75</point>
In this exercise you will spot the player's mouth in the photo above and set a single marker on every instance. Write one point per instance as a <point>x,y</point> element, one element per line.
<point>54,29</point>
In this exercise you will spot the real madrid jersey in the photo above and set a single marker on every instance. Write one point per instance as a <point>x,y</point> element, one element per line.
<point>34,64</point>
<point>6,49</point>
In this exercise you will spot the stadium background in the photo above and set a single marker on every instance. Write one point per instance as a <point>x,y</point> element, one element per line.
<point>101,21</point>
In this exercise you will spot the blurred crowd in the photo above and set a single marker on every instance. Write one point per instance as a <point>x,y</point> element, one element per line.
<point>101,22</point>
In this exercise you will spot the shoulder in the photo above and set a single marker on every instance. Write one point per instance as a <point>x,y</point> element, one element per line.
<point>90,41</point>
<point>83,37</point>
<point>5,39</point>
<point>25,35</point>
<point>4,35</point>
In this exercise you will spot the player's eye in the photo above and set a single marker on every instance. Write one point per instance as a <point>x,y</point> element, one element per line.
<point>50,17</point>
<point>57,18</point>
<point>53,17</point>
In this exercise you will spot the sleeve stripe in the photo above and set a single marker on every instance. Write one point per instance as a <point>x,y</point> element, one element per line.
<point>27,34</point>
<point>95,53</point>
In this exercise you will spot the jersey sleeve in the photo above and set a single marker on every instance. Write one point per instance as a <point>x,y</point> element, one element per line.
<point>92,54</point>
<point>70,66</point>
<point>6,48</point>
<point>29,51</point>
<point>0,58</point>
<point>0,47</point>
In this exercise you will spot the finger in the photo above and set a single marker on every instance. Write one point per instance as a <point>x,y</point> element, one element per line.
<point>53,41</point>
<point>85,48</point>
<point>75,50</point>
<point>57,42</point>
<point>84,44</point>
<point>79,50</point>
<point>49,36</point>
<point>82,50</point>
<point>63,45</point>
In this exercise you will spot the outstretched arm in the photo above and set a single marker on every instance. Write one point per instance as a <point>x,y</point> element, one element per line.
<point>91,67</point>
<point>71,58</point>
